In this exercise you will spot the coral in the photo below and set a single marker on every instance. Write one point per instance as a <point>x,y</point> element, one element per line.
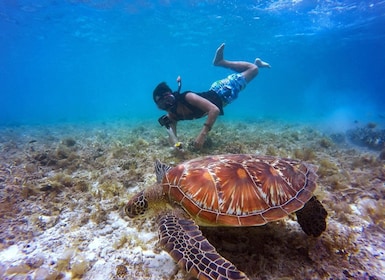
<point>110,189</point>
<point>31,167</point>
<point>69,142</point>
<point>343,212</point>
<point>382,155</point>
<point>338,138</point>
<point>28,190</point>
<point>338,182</point>
<point>121,270</point>
<point>376,212</point>
<point>365,161</point>
<point>79,266</point>
<point>45,158</point>
<point>99,215</point>
<point>336,247</point>
<point>57,183</point>
<point>306,154</point>
<point>35,262</point>
<point>295,135</point>
<point>236,148</point>
<point>18,269</point>
<point>63,263</point>
<point>121,241</point>
<point>371,125</point>
<point>130,164</point>
<point>271,151</point>
<point>140,144</point>
<point>70,261</point>
<point>81,185</point>
<point>62,152</point>
<point>46,274</point>
<point>325,142</point>
<point>327,168</point>
<point>367,137</point>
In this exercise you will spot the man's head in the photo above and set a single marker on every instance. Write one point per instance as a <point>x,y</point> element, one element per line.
<point>163,96</point>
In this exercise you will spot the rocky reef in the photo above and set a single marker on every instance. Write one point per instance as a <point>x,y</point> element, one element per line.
<point>367,136</point>
<point>62,189</point>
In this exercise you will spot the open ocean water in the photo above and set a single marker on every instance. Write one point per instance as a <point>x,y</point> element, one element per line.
<point>100,60</point>
<point>79,130</point>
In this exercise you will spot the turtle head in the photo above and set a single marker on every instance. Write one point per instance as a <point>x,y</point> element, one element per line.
<point>137,205</point>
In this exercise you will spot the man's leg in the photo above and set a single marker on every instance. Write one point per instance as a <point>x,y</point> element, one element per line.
<point>249,70</point>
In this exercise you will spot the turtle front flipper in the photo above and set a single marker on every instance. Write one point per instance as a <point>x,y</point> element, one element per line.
<point>312,217</point>
<point>160,170</point>
<point>183,240</point>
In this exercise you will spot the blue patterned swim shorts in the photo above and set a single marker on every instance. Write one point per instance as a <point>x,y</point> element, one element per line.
<point>229,88</point>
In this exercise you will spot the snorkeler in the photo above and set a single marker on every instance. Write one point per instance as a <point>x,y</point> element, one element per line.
<point>189,105</point>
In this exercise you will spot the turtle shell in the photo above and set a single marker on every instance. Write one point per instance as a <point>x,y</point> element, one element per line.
<point>240,190</point>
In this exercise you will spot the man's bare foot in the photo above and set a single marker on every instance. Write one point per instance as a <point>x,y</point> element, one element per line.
<point>261,64</point>
<point>218,59</point>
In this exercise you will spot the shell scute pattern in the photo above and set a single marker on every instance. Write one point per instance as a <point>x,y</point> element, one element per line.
<point>227,190</point>
<point>240,190</point>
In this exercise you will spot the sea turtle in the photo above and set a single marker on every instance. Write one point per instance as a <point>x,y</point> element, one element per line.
<point>234,190</point>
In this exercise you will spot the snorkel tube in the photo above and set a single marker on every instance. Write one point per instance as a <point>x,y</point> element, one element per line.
<point>179,81</point>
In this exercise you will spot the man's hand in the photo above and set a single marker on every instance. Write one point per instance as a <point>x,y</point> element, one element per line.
<point>200,140</point>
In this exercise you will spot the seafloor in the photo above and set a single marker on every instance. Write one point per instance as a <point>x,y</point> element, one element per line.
<point>62,189</point>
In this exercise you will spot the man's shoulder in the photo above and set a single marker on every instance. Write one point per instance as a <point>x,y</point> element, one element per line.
<point>189,95</point>
<point>188,92</point>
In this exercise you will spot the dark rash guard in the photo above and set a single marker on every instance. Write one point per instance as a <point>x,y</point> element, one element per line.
<point>195,112</point>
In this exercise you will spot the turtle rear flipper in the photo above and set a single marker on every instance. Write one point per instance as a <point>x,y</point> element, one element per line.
<point>183,240</point>
<point>312,217</point>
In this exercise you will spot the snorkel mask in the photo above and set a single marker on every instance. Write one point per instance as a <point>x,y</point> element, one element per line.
<point>166,101</point>
<point>163,96</point>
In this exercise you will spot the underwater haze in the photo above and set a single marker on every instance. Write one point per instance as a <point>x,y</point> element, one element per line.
<point>79,135</point>
<point>99,60</point>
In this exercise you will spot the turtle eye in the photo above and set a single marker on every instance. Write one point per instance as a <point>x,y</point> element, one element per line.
<point>136,206</point>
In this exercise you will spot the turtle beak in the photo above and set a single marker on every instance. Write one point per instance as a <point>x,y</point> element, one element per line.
<point>128,209</point>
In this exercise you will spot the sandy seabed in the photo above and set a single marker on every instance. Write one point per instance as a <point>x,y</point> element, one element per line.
<point>63,187</point>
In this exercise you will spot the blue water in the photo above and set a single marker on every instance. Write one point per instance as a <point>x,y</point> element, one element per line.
<point>84,61</point>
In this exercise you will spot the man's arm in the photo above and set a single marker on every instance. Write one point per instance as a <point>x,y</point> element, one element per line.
<point>212,113</point>
<point>172,124</point>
